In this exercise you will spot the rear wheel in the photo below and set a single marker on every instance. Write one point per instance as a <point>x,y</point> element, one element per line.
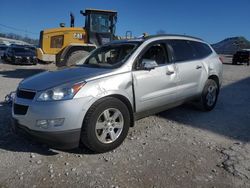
<point>234,62</point>
<point>106,125</point>
<point>13,60</point>
<point>209,95</point>
<point>75,57</point>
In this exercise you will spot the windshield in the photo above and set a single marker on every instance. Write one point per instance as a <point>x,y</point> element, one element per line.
<point>100,23</point>
<point>20,50</point>
<point>110,56</point>
<point>3,48</point>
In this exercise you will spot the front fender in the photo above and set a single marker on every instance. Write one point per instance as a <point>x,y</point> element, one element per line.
<point>119,84</point>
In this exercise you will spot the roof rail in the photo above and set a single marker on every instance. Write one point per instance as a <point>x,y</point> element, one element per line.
<point>171,35</point>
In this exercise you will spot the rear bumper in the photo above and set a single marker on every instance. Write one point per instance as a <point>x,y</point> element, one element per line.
<point>60,139</point>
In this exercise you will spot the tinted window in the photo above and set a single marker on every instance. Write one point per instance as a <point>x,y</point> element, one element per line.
<point>243,53</point>
<point>202,50</point>
<point>20,50</point>
<point>3,48</point>
<point>182,50</point>
<point>100,23</point>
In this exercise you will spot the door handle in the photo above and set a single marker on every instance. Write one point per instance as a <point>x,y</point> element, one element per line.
<point>170,72</point>
<point>198,67</point>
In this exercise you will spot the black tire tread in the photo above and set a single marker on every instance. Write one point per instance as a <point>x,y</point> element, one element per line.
<point>202,106</point>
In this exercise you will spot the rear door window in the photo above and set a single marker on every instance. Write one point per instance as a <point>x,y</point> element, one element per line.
<point>182,50</point>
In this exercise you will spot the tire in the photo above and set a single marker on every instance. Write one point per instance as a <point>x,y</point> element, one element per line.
<point>13,61</point>
<point>35,62</point>
<point>234,62</point>
<point>209,95</point>
<point>111,131</point>
<point>75,57</point>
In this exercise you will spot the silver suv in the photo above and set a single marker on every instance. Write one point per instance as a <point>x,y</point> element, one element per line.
<point>96,102</point>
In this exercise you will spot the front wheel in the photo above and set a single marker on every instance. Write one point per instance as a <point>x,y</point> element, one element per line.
<point>209,95</point>
<point>106,125</point>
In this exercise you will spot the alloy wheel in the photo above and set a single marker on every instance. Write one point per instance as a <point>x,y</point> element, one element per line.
<point>109,125</point>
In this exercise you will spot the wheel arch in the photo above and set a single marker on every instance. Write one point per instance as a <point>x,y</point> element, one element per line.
<point>123,99</point>
<point>216,79</point>
<point>128,104</point>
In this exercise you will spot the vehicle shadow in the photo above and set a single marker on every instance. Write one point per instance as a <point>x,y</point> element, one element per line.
<point>230,118</point>
<point>20,73</point>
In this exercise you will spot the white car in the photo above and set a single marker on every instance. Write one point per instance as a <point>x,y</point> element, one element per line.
<point>96,102</point>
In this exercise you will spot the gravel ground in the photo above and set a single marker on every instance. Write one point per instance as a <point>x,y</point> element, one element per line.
<point>181,147</point>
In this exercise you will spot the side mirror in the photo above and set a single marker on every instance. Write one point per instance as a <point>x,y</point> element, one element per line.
<point>148,64</point>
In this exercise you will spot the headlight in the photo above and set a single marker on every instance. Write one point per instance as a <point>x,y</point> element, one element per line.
<point>60,93</point>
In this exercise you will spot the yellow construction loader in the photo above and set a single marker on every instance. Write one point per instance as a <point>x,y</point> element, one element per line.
<point>68,45</point>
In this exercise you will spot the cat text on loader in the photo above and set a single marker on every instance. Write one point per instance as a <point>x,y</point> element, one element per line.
<point>68,45</point>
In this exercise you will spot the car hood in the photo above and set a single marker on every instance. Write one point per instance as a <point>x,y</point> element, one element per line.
<point>51,79</point>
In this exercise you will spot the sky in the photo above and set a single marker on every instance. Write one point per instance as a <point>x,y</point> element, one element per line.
<point>210,20</point>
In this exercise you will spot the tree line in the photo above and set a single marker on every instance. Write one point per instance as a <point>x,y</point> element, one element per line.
<point>19,37</point>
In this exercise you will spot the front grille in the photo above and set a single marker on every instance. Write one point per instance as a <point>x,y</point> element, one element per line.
<point>20,109</point>
<point>25,94</point>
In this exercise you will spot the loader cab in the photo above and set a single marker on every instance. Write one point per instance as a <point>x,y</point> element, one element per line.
<point>100,25</point>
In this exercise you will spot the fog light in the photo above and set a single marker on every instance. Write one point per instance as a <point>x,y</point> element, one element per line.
<point>47,123</point>
<point>42,124</point>
<point>56,122</point>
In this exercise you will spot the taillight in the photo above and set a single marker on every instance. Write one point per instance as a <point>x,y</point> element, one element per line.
<point>221,59</point>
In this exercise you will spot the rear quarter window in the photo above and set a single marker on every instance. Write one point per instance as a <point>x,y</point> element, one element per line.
<point>202,49</point>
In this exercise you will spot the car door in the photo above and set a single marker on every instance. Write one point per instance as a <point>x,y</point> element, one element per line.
<point>154,87</point>
<point>189,68</point>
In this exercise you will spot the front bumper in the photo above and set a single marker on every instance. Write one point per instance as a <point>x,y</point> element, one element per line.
<point>27,112</point>
<point>61,139</point>
<point>25,60</point>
